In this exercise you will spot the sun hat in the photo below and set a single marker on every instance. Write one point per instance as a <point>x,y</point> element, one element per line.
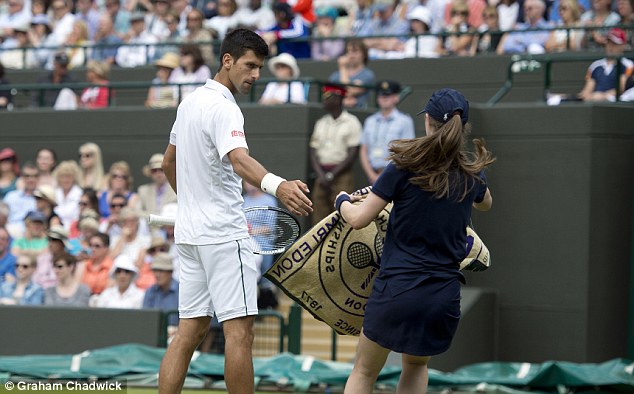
<point>327,12</point>
<point>162,262</point>
<point>46,192</point>
<point>444,102</point>
<point>420,13</point>
<point>286,59</point>
<point>36,216</point>
<point>125,262</point>
<point>60,234</point>
<point>155,162</point>
<point>168,60</point>
<point>7,153</point>
<point>157,242</point>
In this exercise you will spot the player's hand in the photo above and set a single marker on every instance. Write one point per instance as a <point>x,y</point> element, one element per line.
<point>293,195</point>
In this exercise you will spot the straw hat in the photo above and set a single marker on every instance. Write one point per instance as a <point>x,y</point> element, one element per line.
<point>286,59</point>
<point>169,60</point>
<point>60,234</point>
<point>156,161</point>
<point>46,192</point>
<point>162,262</point>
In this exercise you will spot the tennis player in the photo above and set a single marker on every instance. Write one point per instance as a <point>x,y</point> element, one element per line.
<point>205,161</point>
<point>414,307</point>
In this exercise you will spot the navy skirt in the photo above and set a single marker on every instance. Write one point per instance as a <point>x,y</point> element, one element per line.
<point>419,321</point>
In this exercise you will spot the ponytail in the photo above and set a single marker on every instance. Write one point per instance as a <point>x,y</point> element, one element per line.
<point>433,157</point>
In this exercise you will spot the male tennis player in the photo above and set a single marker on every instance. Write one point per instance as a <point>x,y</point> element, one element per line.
<point>205,162</point>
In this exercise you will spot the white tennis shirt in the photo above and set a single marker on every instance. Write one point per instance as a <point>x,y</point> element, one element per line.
<point>208,125</point>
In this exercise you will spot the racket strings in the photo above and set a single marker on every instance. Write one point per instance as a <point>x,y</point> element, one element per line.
<point>272,231</point>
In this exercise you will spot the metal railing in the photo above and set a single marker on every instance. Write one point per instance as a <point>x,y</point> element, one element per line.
<point>522,64</point>
<point>164,46</point>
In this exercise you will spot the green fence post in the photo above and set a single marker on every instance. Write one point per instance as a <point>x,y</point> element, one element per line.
<point>295,329</point>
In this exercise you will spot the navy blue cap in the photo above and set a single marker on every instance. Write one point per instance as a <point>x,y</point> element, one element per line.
<point>444,102</point>
<point>36,216</point>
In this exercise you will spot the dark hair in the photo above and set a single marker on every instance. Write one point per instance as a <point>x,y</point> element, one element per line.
<point>105,238</point>
<point>432,158</point>
<point>52,153</point>
<point>68,258</point>
<point>30,165</point>
<point>93,199</point>
<point>360,45</point>
<point>1,70</point>
<point>194,50</point>
<point>119,195</point>
<point>239,41</point>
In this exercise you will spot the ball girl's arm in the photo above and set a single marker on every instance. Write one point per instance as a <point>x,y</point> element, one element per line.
<point>359,216</point>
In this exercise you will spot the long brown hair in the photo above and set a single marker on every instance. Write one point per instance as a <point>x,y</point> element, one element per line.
<point>433,157</point>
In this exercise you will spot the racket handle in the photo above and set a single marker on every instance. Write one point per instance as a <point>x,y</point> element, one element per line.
<point>158,220</point>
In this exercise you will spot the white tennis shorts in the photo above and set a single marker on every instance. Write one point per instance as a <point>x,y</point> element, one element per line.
<point>219,278</point>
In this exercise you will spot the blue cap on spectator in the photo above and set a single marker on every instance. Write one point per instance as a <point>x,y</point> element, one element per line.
<point>36,216</point>
<point>444,103</point>
<point>327,12</point>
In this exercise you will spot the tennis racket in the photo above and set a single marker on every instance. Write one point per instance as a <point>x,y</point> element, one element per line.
<point>272,229</point>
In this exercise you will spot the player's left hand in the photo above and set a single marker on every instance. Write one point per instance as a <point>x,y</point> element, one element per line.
<point>293,195</point>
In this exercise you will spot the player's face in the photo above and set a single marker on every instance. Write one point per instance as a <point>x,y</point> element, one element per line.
<point>245,71</point>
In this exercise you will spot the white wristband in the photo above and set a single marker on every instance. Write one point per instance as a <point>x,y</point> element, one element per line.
<point>270,183</point>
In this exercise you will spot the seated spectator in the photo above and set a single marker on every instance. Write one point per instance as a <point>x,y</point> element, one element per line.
<point>6,98</point>
<point>86,11</point>
<point>123,294</point>
<point>58,76</point>
<point>7,259</point>
<point>120,181</point>
<point>87,201</point>
<point>153,196</point>
<point>225,19</point>
<point>527,41</point>
<point>174,36</point>
<point>489,33</point>
<point>284,68</point>
<point>158,95</point>
<point>22,201</point>
<point>120,17</point>
<point>460,35</point>
<point>98,95</point>
<point>145,278</point>
<point>255,16</point>
<point>67,193</point>
<point>156,20</point>
<point>9,171</point>
<point>192,70</point>
<point>601,14</point>
<point>41,39</point>
<point>110,225</point>
<point>563,39</point>
<point>625,9</point>
<point>61,21</point>
<point>107,42</point>
<point>601,81</point>
<point>22,291</point>
<point>475,7</point>
<point>68,291</point>
<point>20,55</point>
<point>79,46</point>
<point>45,203</point>
<point>553,9</point>
<point>96,270</point>
<point>326,26</point>
<point>44,275</point>
<point>163,294</point>
<point>34,240</point>
<point>132,241</point>
<point>287,26</point>
<point>510,13</point>
<point>88,227</point>
<point>353,70</point>
<point>386,23</point>
<point>421,45</point>
<point>199,36</point>
<point>91,165</point>
<point>140,49</point>
<point>360,18</point>
<point>46,162</point>
<point>15,15</point>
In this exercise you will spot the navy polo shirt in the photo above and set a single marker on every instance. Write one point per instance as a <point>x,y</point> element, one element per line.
<point>426,236</point>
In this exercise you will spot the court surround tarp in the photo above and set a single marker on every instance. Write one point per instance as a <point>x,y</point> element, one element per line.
<point>139,364</point>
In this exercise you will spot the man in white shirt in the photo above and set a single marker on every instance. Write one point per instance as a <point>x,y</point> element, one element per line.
<point>205,162</point>
<point>18,15</point>
<point>141,49</point>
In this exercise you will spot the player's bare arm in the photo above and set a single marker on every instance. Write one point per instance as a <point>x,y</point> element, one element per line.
<point>291,193</point>
<point>169,165</point>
